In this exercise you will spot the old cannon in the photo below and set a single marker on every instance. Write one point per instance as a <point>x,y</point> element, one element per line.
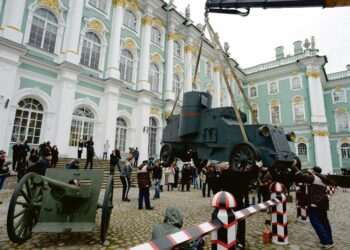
<point>201,133</point>
<point>61,201</point>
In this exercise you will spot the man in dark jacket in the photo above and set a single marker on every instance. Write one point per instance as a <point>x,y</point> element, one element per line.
<point>80,148</point>
<point>157,176</point>
<point>316,199</point>
<point>237,183</point>
<point>136,155</point>
<point>144,183</point>
<point>41,166</point>
<point>16,155</point>
<point>90,152</point>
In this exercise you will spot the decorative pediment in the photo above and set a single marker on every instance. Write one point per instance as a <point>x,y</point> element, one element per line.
<point>53,4</point>
<point>178,69</point>
<point>210,87</point>
<point>300,139</point>
<point>156,58</point>
<point>158,22</point>
<point>298,100</point>
<point>134,6</point>
<point>155,111</point>
<point>97,25</point>
<point>129,44</point>
<point>274,103</point>
<point>340,110</point>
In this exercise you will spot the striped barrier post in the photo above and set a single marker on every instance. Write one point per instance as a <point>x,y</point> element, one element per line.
<point>224,237</point>
<point>279,218</point>
<point>331,190</point>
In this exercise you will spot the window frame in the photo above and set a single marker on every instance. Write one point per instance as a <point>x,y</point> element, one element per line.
<point>136,30</point>
<point>127,60</point>
<point>179,55</point>
<point>300,83</point>
<point>95,6</point>
<point>277,88</point>
<point>302,151</point>
<point>250,91</point>
<point>152,130</point>
<point>92,43</point>
<point>121,130</point>
<point>345,151</point>
<point>45,30</point>
<point>82,124</point>
<point>337,121</point>
<point>153,77</point>
<point>28,120</point>
<point>176,84</point>
<point>160,36</point>
<point>278,105</point>
<point>333,96</point>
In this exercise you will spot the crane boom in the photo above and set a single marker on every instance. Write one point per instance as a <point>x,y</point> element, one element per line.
<point>231,6</point>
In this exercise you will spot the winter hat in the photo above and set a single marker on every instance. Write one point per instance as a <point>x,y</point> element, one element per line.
<point>2,152</point>
<point>317,169</point>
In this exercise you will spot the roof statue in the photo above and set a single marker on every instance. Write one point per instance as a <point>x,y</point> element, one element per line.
<point>188,12</point>
<point>306,44</point>
<point>313,43</point>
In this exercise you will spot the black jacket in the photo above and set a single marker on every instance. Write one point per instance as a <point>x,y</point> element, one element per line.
<point>113,160</point>
<point>157,173</point>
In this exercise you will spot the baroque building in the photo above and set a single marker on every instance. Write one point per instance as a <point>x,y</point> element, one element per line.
<point>112,69</point>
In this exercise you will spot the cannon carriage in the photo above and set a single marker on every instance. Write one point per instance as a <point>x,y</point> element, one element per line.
<point>61,201</point>
<point>203,133</point>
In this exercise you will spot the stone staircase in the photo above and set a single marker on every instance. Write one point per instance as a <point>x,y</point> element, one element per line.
<point>104,165</point>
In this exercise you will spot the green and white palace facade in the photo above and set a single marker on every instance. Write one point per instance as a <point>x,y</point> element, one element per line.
<point>111,69</point>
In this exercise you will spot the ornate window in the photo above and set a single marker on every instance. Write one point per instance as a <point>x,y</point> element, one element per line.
<point>177,49</point>
<point>152,137</point>
<point>28,121</point>
<point>296,83</point>
<point>253,92</point>
<point>82,126</point>
<point>208,68</point>
<point>91,51</point>
<point>99,4</point>
<point>275,115</point>
<point>339,96</point>
<point>156,36</point>
<point>256,113</point>
<point>345,151</point>
<point>154,77</point>
<point>342,120</point>
<point>176,84</point>
<point>43,32</point>
<point>302,149</point>
<point>298,109</point>
<point>120,139</point>
<point>273,88</point>
<point>126,65</point>
<point>130,20</point>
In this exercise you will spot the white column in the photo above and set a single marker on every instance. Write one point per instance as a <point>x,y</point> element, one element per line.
<point>9,61</point>
<point>143,109</point>
<point>188,68</point>
<point>72,33</point>
<point>216,97</point>
<point>114,50</point>
<point>143,83</point>
<point>110,108</point>
<point>319,120</point>
<point>169,92</point>
<point>68,81</point>
<point>12,20</point>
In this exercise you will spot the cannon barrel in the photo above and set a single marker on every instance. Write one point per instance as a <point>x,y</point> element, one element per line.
<point>224,6</point>
<point>61,185</point>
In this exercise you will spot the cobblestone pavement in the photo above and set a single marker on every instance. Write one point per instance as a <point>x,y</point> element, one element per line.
<point>130,226</point>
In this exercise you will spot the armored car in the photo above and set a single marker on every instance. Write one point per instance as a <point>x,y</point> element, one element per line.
<point>203,133</point>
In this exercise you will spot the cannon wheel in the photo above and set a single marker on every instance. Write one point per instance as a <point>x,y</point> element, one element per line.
<point>107,207</point>
<point>24,208</point>
<point>243,157</point>
<point>167,154</point>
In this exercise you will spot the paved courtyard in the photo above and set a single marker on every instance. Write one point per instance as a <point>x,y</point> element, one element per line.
<point>130,226</point>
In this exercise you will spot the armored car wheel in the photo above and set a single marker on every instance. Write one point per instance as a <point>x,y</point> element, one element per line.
<point>243,157</point>
<point>107,207</point>
<point>167,155</point>
<point>24,208</point>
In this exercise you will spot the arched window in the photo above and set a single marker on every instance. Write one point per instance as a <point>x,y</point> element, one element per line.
<point>339,96</point>
<point>120,139</point>
<point>342,121</point>
<point>156,36</point>
<point>302,149</point>
<point>296,83</point>
<point>177,49</point>
<point>176,84</point>
<point>28,121</point>
<point>99,4</point>
<point>345,151</point>
<point>152,137</point>
<point>44,28</point>
<point>91,51</point>
<point>82,127</point>
<point>273,88</point>
<point>126,65</point>
<point>253,92</point>
<point>130,20</point>
<point>154,77</point>
<point>255,113</point>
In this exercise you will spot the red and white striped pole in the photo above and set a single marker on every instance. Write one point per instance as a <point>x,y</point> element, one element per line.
<point>302,215</point>
<point>279,220</point>
<point>225,237</point>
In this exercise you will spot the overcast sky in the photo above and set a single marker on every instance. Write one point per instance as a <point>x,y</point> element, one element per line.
<point>253,39</point>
